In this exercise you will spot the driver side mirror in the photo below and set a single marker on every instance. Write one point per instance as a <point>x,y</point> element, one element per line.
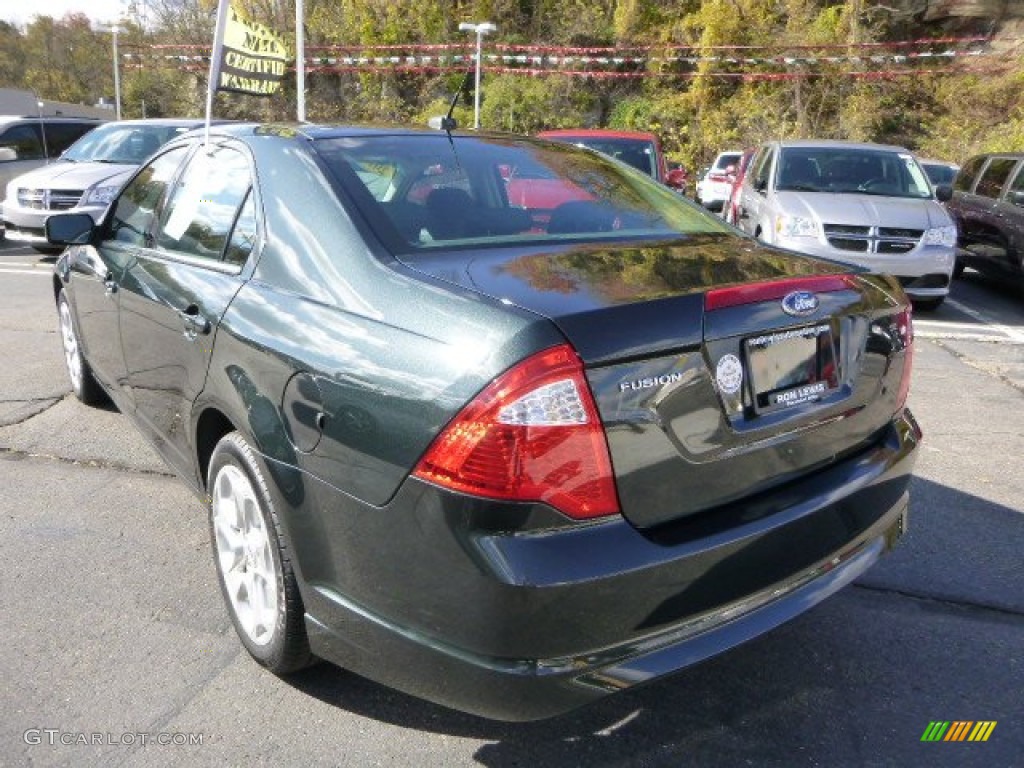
<point>69,228</point>
<point>943,193</point>
<point>8,154</point>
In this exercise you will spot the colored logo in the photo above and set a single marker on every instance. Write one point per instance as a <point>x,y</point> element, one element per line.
<point>958,730</point>
<point>799,303</point>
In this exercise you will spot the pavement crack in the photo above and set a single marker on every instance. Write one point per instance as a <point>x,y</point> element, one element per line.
<point>952,602</point>
<point>967,361</point>
<point>15,454</point>
<point>50,402</point>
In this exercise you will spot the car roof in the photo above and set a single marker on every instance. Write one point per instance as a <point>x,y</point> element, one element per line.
<point>606,133</point>
<point>5,119</point>
<point>187,122</point>
<point>837,144</point>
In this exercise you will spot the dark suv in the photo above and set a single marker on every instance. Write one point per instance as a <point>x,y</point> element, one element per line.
<point>988,207</point>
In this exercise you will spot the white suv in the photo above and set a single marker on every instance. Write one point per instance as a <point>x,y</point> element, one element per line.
<point>867,204</point>
<point>85,178</point>
<point>714,189</point>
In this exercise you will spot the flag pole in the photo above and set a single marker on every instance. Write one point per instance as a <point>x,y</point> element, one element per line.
<point>215,57</point>
<point>300,62</point>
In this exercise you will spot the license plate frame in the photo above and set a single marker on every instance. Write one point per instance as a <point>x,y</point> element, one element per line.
<point>791,367</point>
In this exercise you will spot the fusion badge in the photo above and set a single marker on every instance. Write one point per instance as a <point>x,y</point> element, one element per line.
<point>729,374</point>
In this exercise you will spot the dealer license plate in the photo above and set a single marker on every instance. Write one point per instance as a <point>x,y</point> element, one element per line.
<point>791,367</point>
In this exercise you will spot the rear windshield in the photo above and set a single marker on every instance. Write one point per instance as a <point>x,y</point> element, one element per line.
<point>846,170</point>
<point>427,192</point>
<point>120,143</point>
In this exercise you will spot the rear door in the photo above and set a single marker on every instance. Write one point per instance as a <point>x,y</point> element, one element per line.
<point>177,287</point>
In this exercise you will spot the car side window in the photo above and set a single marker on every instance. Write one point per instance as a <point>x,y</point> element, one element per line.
<point>243,235</point>
<point>992,180</point>
<point>25,140</point>
<point>1016,193</point>
<point>202,209</point>
<point>132,218</point>
<point>965,176</point>
<point>763,169</point>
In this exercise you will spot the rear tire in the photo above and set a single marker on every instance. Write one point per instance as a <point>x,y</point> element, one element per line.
<point>253,563</point>
<point>83,383</point>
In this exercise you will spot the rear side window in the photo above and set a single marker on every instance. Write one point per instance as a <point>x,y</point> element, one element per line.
<point>207,198</point>
<point>994,177</point>
<point>965,176</point>
<point>25,140</point>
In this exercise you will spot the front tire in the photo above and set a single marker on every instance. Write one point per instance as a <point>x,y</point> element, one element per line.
<point>83,383</point>
<point>253,563</point>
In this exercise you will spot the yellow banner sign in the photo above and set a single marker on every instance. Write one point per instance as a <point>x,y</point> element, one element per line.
<point>253,57</point>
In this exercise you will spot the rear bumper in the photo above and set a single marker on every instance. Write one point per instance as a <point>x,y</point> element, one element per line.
<point>531,624</point>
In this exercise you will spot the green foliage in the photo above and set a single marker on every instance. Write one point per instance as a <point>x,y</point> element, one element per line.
<point>696,108</point>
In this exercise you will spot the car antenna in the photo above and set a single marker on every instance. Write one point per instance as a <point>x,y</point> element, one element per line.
<point>447,123</point>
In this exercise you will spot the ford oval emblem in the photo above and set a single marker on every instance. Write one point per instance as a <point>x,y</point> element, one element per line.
<point>799,303</point>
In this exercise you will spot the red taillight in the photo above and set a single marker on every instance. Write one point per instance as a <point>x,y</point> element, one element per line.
<point>905,329</point>
<point>751,293</point>
<point>533,434</point>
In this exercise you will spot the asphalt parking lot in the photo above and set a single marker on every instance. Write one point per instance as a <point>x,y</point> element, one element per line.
<point>119,651</point>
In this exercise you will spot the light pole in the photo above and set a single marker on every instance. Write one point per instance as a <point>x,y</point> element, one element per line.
<point>480,29</point>
<point>114,29</point>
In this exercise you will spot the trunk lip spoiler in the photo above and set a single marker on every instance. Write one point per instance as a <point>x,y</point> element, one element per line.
<point>766,290</point>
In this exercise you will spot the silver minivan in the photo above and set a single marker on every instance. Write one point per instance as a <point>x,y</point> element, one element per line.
<point>867,204</point>
<point>86,177</point>
<point>30,142</point>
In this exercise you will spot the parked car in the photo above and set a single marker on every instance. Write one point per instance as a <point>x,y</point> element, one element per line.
<point>868,204</point>
<point>939,171</point>
<point>636,148</point>
<point>715,185</point>
<point>988,206</point>
<point>30,142</point>
<point>85,177</point>
<point>506,469</point>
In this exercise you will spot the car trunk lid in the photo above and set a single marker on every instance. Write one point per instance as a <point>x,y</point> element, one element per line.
<point>720,368</point>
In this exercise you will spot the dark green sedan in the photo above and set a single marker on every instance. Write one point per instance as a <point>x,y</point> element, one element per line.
<point>499,422</point>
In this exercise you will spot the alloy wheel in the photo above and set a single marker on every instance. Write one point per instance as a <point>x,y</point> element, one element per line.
<point>245,554</point>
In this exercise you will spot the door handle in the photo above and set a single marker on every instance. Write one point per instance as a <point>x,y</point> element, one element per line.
<point>195,324</point>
